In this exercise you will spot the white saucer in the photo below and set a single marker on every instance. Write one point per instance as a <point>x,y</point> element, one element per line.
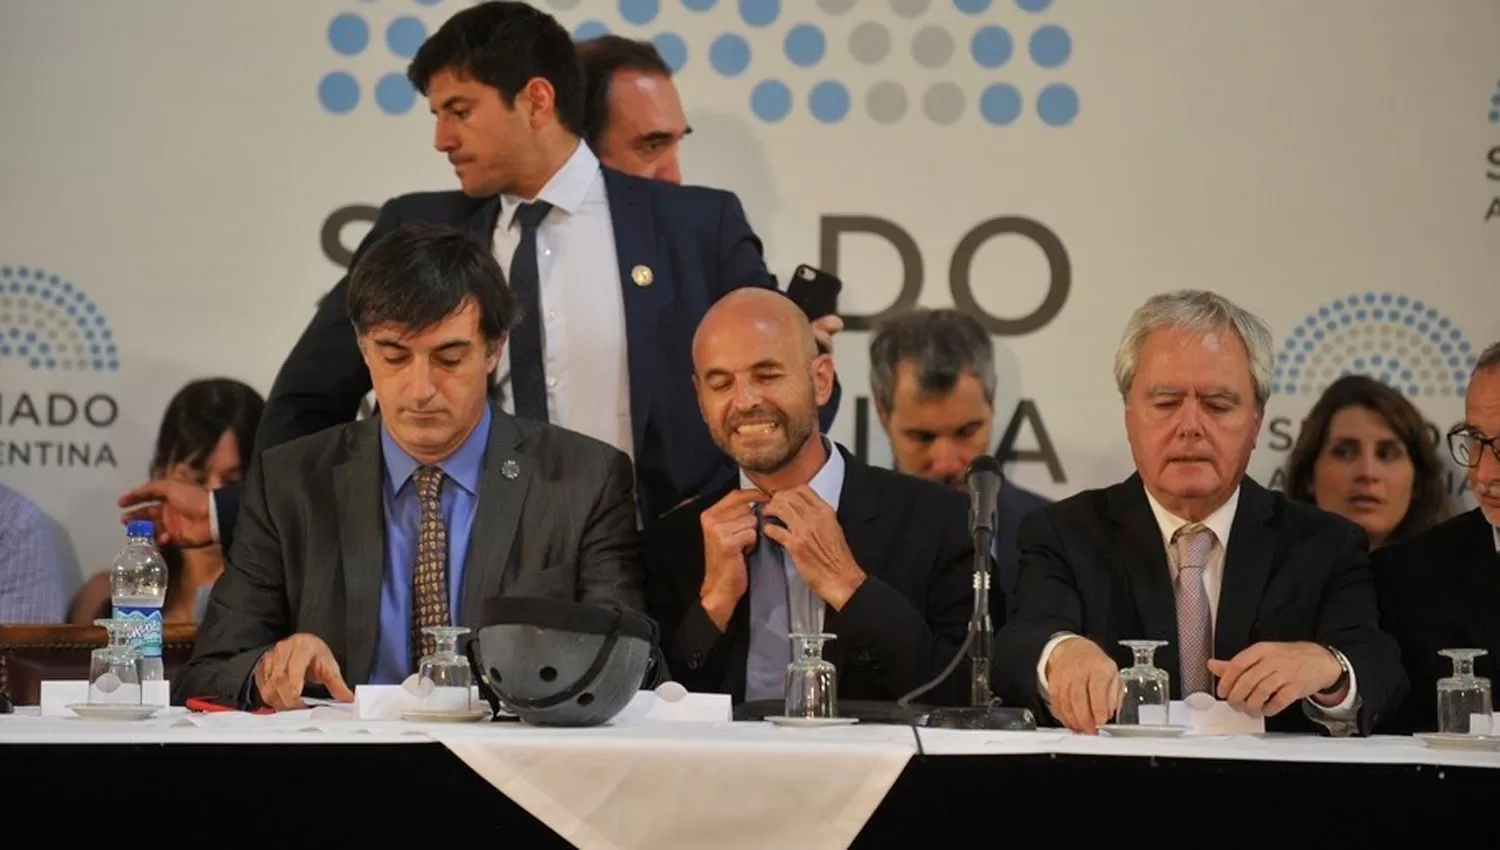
<point>811,722</point>
<point>107,711</point>
<point>1455,741</point>
<point>417,715</point>
<point>1144,730</point>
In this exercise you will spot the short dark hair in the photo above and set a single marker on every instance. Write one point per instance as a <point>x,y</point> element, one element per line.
<point>419,274</point>
<point>1429,491</point>
<point>504,45</point>
<point>943,345</point>
<point>198,416</point>
<point>602,58</point>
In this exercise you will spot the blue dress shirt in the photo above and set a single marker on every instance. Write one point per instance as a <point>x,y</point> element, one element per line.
<point>403,516</point>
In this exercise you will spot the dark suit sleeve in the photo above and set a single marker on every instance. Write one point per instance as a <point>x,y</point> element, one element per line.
<point>227,510</point>
<point>903,648</point>
<point>1394,594</point>
<point>1349,621</point>
<point>697,652</point>
<point>609,560</point>
<point>1047,602</point>
<point>248,610</point>
<point>323,380</point>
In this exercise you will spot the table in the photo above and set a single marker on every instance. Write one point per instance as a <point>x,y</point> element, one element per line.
<point>735,785</point>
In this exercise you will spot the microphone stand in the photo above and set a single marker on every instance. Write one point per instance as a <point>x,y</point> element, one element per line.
<point>984,710</point>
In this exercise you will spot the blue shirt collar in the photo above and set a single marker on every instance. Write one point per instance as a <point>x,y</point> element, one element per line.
<point>828,483</point>
<point>463,466</point>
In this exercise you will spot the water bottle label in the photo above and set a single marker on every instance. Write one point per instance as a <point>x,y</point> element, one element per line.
<point>145,638</point>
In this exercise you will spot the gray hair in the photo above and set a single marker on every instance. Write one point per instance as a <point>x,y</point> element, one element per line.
<point>1488,359</point>
<point>942,345</point>
<point>1201,312</point>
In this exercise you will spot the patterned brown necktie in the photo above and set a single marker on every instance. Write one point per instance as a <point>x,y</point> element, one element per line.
<point>1194,634</point>
<point>429,577</point>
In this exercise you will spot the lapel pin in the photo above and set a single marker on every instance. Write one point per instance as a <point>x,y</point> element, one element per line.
<point>641,275</point>
<point>510,469</point>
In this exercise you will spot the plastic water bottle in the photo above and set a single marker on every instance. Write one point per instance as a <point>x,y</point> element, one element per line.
<point>138,589</point>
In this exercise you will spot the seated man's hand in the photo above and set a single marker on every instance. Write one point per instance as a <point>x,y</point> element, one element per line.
<point>180,514</point>
<point>281,673</point>
<point>1083,685</point>
<point>1265,678</point>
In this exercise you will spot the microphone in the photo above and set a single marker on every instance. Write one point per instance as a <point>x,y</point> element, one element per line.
<point>984,479</point>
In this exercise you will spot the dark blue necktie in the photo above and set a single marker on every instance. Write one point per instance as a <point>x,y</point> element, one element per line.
<point>527,377</point>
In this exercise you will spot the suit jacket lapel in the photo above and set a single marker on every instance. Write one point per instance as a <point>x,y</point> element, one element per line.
<point>635,248</point>
<point>507,473</point>
<point>361,523</point>
<point>1146,572</point>
<point>1247,568</point>
<point>868,539</point>
<point>482,222</point>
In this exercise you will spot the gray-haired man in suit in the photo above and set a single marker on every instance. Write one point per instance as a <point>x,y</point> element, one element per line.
<point>355,539</point>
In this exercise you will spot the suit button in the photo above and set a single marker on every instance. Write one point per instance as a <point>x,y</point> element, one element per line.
<point>864,657</point>
<point>695,661</point>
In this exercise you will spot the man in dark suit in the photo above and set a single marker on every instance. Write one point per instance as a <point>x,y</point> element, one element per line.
<point>358,538</point>
<point>613,272</point>
<point>811,540</point>
<point>1261,601</point>
<point>932,377</point>
<point>1438,590</point>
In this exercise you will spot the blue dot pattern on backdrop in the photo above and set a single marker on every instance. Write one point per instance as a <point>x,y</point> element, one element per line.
<point>829,102</point>
<point>405,35</point>
<point>1033,5</point>
<point>394,94</point>
<point>639,12</point>
<point>971,7</point>
<point>428,2</point>
<point>338,92</point>
<point>1407,345</point>
<point>40,335</point>
<point>760,13</point>
<point>699,5</point>
<point>589,29</point>
<point>673,50</point>
<point>1057,105</point>
<point>348,34</point>
<point>805,45</point>
<point>1000,104</point>
<point>729,54</point>
<point>991,46</point>
<point>770,100</point>
<point>1051,46</point>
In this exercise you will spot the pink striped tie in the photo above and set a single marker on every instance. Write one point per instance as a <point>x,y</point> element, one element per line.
<point>1194,632</point>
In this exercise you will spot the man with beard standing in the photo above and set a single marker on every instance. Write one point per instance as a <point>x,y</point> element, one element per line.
<point>1438,589</point>
<point>812,540</point>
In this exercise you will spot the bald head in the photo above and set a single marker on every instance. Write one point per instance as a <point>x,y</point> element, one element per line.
<point>760,378</point>
<point>754,311</point>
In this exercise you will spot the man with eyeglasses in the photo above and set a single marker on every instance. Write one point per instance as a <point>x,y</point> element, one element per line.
<point>1441,589</point>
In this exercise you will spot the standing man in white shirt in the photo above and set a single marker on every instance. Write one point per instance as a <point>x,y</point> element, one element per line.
<point>1439,590</point>
<point>1263,602</point>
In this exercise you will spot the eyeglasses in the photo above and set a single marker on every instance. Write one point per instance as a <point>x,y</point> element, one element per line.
<point>1467,446</point>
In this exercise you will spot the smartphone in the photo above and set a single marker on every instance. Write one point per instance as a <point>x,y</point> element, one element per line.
<point>815,291</point>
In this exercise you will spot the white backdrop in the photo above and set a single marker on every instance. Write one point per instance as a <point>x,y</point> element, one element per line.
<point>175,161</point>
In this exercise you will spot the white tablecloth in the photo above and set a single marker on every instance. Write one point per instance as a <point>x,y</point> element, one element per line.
<point>693,785</point>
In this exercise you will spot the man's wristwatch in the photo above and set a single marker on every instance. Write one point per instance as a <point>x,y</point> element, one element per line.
<point>1343,679</point>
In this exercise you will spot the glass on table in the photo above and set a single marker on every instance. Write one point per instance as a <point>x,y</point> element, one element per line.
<point>1463,694</point>
<point>811,681</point>
<point>115,668</point>
<point>444,677</point>
<point>1145,689</point>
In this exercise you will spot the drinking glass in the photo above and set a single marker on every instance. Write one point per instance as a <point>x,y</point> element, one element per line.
<point>115,669</point>
<point>444,676</point>
<point>811,680</point>
<point>1145,689</point>
<point>1463,693</point>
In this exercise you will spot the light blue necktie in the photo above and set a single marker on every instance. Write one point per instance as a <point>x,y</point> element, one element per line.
<point>770,648</point>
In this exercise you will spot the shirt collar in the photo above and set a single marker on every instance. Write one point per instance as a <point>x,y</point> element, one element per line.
<point>1496,530</point>
<point>463,466</point>
<point>565,191</point>
<point>828,483</point>
<point>1219,522</point>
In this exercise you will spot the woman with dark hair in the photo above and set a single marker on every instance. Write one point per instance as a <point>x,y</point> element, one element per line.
<point>206,437</point>
<point>1364,454</point>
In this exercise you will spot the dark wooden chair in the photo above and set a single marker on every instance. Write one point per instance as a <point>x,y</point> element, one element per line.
<point>30,654</point>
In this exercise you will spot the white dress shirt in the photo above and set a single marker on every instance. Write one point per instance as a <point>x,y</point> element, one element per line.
<point>1496,530</point>
<point>1220,522</point>
<point>582,305</point>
